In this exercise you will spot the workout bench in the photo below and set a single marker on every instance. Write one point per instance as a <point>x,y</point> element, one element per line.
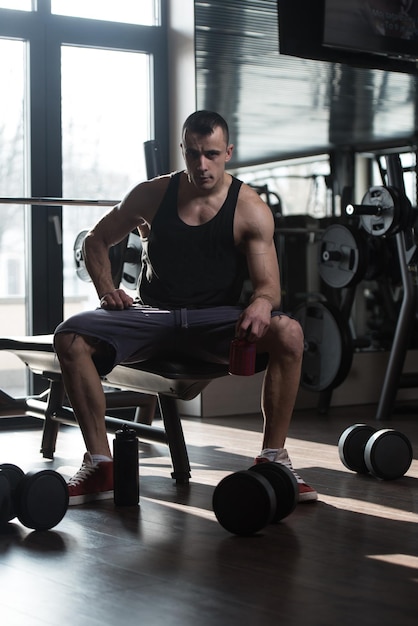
<point>139,386</point>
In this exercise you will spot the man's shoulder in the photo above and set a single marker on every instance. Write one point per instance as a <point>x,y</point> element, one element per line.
<point>247,194</point>
<point>253,215</point>
<point>152,187</point>
<point>147,195</point>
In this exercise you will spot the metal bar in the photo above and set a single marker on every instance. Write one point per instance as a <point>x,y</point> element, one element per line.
<point>406,316</point>
<point>59,201</point>
<point>401,339</point>
<point>65,415</point>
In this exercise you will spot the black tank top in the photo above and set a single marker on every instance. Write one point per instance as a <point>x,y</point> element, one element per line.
<point>192,266</point>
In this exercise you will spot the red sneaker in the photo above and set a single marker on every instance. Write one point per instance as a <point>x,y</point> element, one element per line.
<point>306,492</point>
<point>93,481</point>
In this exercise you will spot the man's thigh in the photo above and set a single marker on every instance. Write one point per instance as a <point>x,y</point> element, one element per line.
<point>139,333</point>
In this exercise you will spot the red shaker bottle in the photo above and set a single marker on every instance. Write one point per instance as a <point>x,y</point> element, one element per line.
<point>242,357</point>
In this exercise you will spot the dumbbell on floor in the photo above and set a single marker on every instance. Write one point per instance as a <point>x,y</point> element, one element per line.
<point>248,500</point>
<point>386,454</point>
<point>39,500</point>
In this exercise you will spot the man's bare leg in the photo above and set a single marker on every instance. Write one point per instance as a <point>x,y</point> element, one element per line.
<point>284,342</point>
<point>84,390</point>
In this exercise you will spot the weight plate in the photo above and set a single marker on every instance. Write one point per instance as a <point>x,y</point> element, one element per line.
<point>14,475</point>
<point>80,266</point>
<point>388,454</point>
<point>116,257</point>
<point>13,472</point>
<point>285,487</point>
<point>5,500</point>
<point>388,221</point>
<point>328,350</point>
<point>351,447</point>
<point>244,502</point>
<point>132,261</point>
<point>342,256</point>
<point>41,499</point>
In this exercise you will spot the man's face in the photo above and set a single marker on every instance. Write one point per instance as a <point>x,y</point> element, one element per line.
<point>205,157</point>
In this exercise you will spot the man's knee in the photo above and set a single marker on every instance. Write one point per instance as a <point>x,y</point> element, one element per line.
<point>69,344</point>
<point>286,337</point>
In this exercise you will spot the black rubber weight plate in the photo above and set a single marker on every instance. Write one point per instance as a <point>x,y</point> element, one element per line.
<point>388,454</point>
<point>351,447</point>
<point>5,500</point>
<point>284,485</point>
<point>342,256</point>
<point>244,502</point>
<point>41,499</point>
<point>13,472</point>
<point>14,475</point>
<point>328,348</point>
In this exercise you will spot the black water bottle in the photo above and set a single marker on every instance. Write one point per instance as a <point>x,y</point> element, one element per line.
<point>126,467</point>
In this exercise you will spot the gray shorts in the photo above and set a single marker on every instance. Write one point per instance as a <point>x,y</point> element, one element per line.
<point>143,332</point>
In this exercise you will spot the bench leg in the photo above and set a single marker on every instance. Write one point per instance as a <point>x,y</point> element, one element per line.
<point>145,413</point>
<point>51,426</point>
<point>175,438</point>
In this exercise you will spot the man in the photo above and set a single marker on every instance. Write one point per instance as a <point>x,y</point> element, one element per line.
<point>201,229</point>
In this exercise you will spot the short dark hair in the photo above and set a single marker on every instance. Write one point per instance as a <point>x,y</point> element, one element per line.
<point>204,123</point>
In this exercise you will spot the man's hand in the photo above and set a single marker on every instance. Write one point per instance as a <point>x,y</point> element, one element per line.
<point>116,299</point>
<point>254,321</point>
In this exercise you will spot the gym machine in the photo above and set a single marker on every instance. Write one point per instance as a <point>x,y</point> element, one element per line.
<point>373,241</point>
<point>386,212</point>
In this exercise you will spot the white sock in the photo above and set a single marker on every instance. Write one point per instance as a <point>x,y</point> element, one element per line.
<point>269,453</point>
<point>100,458</point>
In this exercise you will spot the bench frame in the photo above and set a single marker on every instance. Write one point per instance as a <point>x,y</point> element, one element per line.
<point>140,386</point>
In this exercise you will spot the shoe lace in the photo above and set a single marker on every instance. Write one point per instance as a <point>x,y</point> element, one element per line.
<point>288,463</point>
<point>83,473</point>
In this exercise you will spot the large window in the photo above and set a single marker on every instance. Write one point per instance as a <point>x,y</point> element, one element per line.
<point>17,5</point>
<point>106,119</point>
<point>13,183</point>
<point>144,12</point>
<point>84,85</point>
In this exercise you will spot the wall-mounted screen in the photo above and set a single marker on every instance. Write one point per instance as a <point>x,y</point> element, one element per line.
<point>384,27</point>
<point>374,34</point>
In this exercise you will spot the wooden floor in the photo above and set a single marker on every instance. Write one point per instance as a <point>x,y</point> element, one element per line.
<point>351,558</point>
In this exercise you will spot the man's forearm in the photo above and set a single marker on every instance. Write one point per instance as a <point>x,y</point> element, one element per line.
<point>98,265</point>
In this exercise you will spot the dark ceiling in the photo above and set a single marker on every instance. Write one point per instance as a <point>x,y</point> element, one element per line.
<point>279,107</point>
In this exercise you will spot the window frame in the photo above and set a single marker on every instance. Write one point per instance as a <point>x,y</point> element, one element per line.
<point>45,34</point>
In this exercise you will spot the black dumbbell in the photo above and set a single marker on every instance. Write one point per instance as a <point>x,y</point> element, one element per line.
<point>39,500</point>
<point>248,500</point>
<point>386,454</point>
